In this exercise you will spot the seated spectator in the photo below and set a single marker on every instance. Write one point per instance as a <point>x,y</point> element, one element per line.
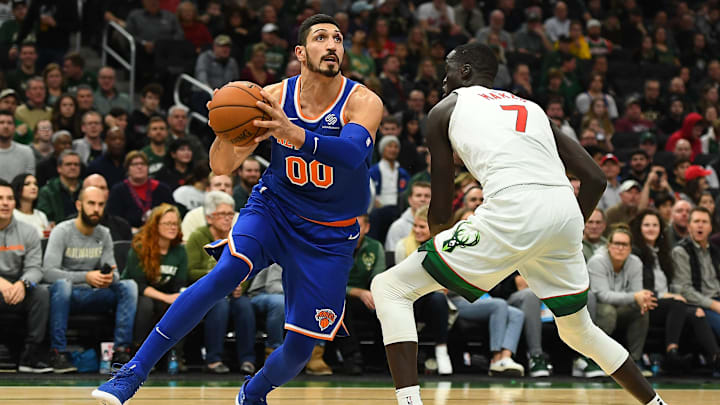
<point>639,166</point>
<point>672,309</point>
<point>107,96</point>
<point>369,262</point>
<point>158,264</point>
<point>276,48</point>
<point>80,266</point>
<point>412,148</point>
<point>57,197</point>
<point>117,117</point>
<point>75,73</point>
<point>691,130</point>
<point>593,233</point>
<point>473,198</point>
<point>419,197</point>
<point>663,203</point>
<point>177,121</point>
<point>41,145</point>
<point>110,164</point>
<point>390,179</point>
<point>679,219</point>
<point>633,121</point>
<point>15,158</point>
<point>496,26</point>
<point>696,264</point>
<point>195,31</point>
<point>46,169</point>
<point>394,86</point>
<point>195,218</point>
<point>521,81</point>
<point>219,212</point>
<point>651,103</point>
<point>709,139</point>
<point>695,184</point>
<point>177,168</point>
<point>156,150</point>
<point>363,65</point>
<point>268,299</point>
<point>9,101</point>
<point>558,25</point>
<point>682,162</point>
<point>91,145</point>
<point>616,280</point>
<point>139,119</point>
<point>119,228</point>
<point>556,113</point>
<point>11,23</point>
<point>611,196</point>
<point>84,97</point>
<point>27,68</point>
<point>20,275</point>
<point>655,187</point>
<point>255,70</point>
<point>25,191</point>
<point>598,45</point>
<point>674,117</point>
<point>192,194</point>
<point>138,193</point>
<point>65,115</point>
<point>594,92</point>
<point>707,201</point>
<point>434,305</point>
<point>627,208</point>
<point>249,174</point>
<point>34,109</point>
<point>531,38</point>
<point>149,25</point>
<point>216,67</point>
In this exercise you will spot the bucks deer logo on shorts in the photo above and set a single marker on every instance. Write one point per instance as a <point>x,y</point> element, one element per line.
<point>461,238</point>
<point>325,317</point>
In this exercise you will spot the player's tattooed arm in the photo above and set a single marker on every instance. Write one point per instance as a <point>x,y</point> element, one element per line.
<point>442,171</point>
<point>578,162</point>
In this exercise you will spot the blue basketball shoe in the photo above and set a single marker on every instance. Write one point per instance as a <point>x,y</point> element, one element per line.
<point>240,399</point>
<point>122,386</point>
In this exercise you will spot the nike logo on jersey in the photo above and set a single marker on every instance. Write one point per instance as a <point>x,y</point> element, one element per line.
<point>353,237</point>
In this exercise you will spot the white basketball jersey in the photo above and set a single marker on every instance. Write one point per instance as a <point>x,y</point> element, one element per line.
<point>504,140</point>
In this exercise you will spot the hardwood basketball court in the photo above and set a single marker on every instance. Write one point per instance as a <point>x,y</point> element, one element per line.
<point>442,394</point>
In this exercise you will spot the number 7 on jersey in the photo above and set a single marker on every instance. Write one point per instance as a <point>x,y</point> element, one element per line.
<point>521,121</point>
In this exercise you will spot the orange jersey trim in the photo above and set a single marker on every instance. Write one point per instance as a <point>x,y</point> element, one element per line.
<point>336,224</point>
<point>12,247</point>
<point>327,110</point>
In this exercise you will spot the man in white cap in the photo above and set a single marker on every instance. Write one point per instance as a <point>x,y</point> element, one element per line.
<point>626,210</point>
<point>276,53</point>
<point>390,179</point>
<point>598,45</point>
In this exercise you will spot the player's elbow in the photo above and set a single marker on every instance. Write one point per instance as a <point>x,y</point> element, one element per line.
<point>220,169</point>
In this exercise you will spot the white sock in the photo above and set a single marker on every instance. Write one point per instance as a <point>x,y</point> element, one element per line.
<point>408,395</point>
<point>441,350</point>
<point>657,401</point>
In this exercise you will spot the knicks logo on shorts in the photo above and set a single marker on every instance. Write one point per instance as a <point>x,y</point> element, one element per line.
<point>325,317</point>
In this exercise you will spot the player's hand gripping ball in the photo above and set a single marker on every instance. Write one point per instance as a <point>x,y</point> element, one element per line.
<point>232,111</point>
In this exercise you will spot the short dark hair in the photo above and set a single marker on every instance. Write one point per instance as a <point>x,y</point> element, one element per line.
<point>700,209</point>
<point>153,88</point>
<point>480,57</point>
<point>419,184</point>
<point>117,112</point>
<point>156,118</point>
<point>662,198</point>
<point>309,22</point>
<point>639,152</point>
<point>4,183</point>
<point>7,112</point>
<point>76,59</point>
<point>680,161</point>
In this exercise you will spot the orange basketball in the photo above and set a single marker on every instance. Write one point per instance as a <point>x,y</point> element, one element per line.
<point>232,111</point>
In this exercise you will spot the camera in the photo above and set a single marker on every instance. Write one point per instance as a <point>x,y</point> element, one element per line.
<point>106,269</point>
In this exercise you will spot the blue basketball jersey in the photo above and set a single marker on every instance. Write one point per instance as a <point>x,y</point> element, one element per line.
<point>306,186</point>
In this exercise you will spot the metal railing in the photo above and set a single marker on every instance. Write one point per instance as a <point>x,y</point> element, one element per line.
<point>194,114</point>
<point>195,83</point>
<point>129,65</point>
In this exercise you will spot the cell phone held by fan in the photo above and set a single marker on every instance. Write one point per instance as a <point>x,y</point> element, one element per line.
<point>106,269</point>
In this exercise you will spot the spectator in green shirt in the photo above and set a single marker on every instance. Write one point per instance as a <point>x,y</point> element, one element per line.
<point>369,262</point>
<point>159,265</point>
<point>157,148</point>
<point>219,210</point>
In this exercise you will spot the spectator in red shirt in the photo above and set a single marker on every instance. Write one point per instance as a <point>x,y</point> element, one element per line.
<point>691,130</point>
<point>633,121</point>
<point>195,31</point>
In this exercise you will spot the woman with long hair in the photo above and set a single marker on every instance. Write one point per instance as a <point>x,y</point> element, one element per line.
<point>158,263</point>
<point>255,70</point>
<point>664,53</point>
<point>65,115</point>
<point>599,111</point>
<point>379,43</point>
<point>53,78</point>
<point>25,187</point>
<point>653,249</point>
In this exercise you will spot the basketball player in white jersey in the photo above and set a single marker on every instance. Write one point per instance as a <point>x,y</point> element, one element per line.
<point>530,221</point>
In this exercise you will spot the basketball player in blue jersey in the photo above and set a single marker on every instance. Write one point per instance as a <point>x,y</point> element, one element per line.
<point>301,215</point>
